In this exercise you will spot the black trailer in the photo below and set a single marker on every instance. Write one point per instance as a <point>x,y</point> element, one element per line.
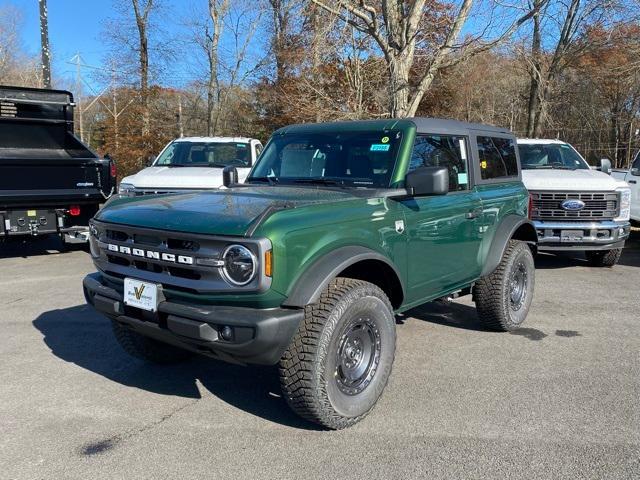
<point>50,182</point>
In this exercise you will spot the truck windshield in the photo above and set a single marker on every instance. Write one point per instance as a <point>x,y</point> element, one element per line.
<point>356,159</point>
<point>205,154</point>
<point>535,156</point>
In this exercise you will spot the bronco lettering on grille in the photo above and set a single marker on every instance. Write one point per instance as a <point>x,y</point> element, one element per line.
<point>138,252</point>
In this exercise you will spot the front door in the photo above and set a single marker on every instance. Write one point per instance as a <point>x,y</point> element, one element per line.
<point>443,231</point>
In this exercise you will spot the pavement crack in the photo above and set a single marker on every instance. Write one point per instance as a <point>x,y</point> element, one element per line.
<point>109,443</point>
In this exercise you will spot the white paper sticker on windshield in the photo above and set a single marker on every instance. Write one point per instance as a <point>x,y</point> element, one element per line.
<point>463,149</point>
<point>462,179</point>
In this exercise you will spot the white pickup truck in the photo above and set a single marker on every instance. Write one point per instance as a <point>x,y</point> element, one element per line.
<point>632,177</point>
<point>572,206</point>
<point>193,163</point>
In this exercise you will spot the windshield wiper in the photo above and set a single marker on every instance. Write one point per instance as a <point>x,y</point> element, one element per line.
<point>270,180</point>
<point>320,181</point>
<point>562,167</point>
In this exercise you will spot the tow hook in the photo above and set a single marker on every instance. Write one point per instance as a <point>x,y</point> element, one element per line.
<point>33,228</point>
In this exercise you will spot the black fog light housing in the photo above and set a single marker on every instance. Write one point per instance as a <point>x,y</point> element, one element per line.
<point>226,333</point>
<point>240,265</point>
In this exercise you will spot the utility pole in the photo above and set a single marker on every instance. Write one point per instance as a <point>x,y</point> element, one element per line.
<point>44,40</point>
<point>180,125</point>
<point>78,95</point>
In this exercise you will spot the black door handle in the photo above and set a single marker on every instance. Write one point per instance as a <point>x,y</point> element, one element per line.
<point>632,181</point>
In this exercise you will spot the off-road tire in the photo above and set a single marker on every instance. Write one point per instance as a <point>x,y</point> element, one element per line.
<point>603,258</point>
<point>310,369</point>
<point>493,293</point>
<point>148,349</point>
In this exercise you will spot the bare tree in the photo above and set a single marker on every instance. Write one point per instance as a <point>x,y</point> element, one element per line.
<point>571,18</point>
<point>396,30</point>
<point>44,40</point>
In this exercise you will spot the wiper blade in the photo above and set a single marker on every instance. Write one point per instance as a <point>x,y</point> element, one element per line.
<point>319,181</point>
<point>270,180</point>
<point>562,167</point>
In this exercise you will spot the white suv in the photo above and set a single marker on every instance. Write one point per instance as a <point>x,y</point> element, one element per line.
<point>572,206</point>
<point>193,163</point>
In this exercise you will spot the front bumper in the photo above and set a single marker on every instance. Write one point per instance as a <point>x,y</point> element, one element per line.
<point>605,235</point>
<point>260,336</point>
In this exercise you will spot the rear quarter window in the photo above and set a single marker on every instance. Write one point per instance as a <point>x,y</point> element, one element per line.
<point>497,157</point>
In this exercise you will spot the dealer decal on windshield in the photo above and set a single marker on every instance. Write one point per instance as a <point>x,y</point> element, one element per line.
<point>380,147</point>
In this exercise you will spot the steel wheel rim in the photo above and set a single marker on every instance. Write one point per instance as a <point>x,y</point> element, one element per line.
<point>358,356</point>
<point>518,286</point>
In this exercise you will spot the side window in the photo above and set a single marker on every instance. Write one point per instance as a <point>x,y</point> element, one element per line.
<point>442,151</point>
<point>497,157</point>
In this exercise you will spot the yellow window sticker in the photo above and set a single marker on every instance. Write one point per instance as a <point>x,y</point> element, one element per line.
<point>483,164</point>
<point>384,139</point>
<point>31,213</point>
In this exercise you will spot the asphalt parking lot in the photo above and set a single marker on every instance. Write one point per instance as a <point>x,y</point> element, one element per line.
<point>558,399</point>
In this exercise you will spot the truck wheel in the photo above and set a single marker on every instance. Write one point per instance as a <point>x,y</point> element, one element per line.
<point>503,298</point>
<point>340,359</point>
<point>146,348</point>
<point>604,258</point>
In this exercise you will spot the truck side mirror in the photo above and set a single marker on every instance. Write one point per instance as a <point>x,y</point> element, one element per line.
<point>605,166</point>
<point>150,160</point>
<point>428,181</point>
<point>229,176</point>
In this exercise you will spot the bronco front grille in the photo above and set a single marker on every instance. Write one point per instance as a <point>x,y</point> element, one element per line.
<point>597,206</point>
<point>180,261</point>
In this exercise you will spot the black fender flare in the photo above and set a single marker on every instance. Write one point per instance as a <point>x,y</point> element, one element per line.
<point>317,276</point>
<point>505,232</point>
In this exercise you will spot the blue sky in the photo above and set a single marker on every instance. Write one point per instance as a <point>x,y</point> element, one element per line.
<point>74,26</point>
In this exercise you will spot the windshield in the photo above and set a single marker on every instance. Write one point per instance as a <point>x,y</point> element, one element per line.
<point>205,154</point>
<point>551,155</point>
<point>357,159</point>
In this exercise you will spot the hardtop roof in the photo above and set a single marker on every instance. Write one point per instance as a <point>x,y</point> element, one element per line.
<point>423,125</point>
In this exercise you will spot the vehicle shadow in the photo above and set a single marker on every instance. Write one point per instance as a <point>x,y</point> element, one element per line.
<point>630,256</point>
<point>452,314</point>
<point>82,336</point>
<point>36,246</point>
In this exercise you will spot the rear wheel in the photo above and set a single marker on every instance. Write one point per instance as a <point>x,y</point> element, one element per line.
<point>339,361</point>
<point>503,298</point>
<point>603,258</point>
<point>146,348</point>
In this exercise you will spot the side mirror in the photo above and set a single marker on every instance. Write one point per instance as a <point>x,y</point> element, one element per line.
<point>150,160</point>
<point>605,166</point>
<point>229,176</point>
<point>428,181</point>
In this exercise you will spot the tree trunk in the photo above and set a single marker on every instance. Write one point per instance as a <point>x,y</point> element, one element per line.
<point>142,22</point>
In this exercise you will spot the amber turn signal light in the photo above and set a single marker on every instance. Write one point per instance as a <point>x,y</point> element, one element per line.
<point>268,263</point>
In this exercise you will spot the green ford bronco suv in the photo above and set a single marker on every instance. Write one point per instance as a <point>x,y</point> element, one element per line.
<point>338,227</point>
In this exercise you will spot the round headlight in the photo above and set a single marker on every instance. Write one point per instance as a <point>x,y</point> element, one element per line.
<point>240,265</point>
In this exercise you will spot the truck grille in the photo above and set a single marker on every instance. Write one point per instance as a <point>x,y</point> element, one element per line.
<point>597,205</point>
<point>180,261</point>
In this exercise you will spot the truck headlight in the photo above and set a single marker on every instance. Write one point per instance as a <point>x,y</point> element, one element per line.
<point>240,265</point>
<point>625,204</point>
<point>126,189</point>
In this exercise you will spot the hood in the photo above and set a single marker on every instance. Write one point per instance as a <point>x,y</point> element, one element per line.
<point>176,177</point>
<point>218,212</point>
<point>569,180</point>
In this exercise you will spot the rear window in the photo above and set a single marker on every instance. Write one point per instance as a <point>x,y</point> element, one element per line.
<point>497,157</point>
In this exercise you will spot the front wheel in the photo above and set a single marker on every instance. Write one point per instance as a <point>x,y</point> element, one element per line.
<point>603,258</point>
<point>340,359</point>
<point>503,298</point>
